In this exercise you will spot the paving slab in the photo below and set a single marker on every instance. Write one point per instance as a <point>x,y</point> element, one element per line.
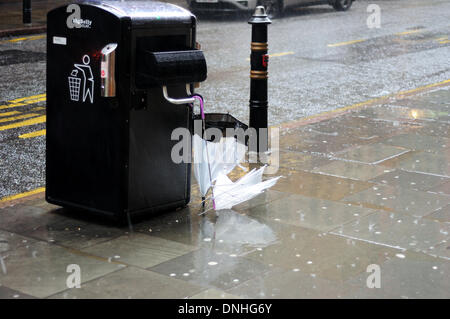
<point>372,154</point>
<point>409,202</point>
<point>433,144</point>
<point>427,163</point>
<point>396,230</point>
<point>132,283</point>
<point>318,254</point>
<point>411,180</point>
<point>307,212</point>
<point>317,185</point>
<point>211,269</point>
<point>139,250</point>
<point>290,285</point>
<point>40,269</point>
<point>351,170</point>
<point>410,276</point>
<point>440,215</point>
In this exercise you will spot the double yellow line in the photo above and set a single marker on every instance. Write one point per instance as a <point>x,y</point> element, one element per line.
<point>14,115</point>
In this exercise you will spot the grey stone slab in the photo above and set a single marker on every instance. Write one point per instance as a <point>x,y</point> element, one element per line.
<point>409,276</point>
<point>352,170</point>
<point>410,202</point>
<point>440,215</point>
<point>441,251</point>
<point>409,180</point>
<point>7,293</point>
<point>132,283</point>
<point>372,153</point>
<point>11,241</point>
<point>40,269</point>
<point>427,163</point>
<point>317,185</point>
<point>56,226</point>
<point>396,230</point>
<point>318,214</point>
<point>226,231</point>
<point>443,188</point>
<point>418,142</point>
<point>320,254</point>
<point>139,250</point>
<point>289,285</point>
<point>209,268</point>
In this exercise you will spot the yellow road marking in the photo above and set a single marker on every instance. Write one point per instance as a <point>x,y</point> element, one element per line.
<point>441,39</point>
<point>17,196</point>
<point>34,37</point>
<point>280,54</point>
<point>444,42</point>
<point>33,134</point>
<point>24,101</point>
<point>9,113</point>
<point>345,43</point>
<point>37,96</point>
<point>38,108</point>
<point>409,32</point>
<point>274,55</point>
<point>36,120</point>
<point>19,117</point>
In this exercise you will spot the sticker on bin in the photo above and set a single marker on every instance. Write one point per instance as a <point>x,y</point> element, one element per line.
<point>60,40</point>
<point>81,81</point>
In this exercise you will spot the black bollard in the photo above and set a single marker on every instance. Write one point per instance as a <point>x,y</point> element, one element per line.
<point>26,12</point>
<point>259,61</point>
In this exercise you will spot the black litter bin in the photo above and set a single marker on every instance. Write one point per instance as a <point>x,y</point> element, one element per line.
<point>108,123</point>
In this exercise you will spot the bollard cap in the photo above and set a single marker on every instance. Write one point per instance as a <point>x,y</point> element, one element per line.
<point>259,16</point>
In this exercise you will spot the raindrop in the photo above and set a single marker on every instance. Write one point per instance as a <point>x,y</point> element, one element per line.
<point>212,263</point>
<point>295,269</point>
<point>172,275</point>
<point>400,256</point>
<point>309,262</point>
<point>186,274</point>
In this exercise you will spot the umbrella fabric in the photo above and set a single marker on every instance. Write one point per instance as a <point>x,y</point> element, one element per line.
<point>223,158</point>
<point>228,194</point>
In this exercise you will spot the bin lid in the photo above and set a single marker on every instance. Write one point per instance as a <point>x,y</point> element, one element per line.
<point>144,12</point>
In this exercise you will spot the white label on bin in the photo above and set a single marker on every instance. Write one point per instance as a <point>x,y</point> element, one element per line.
<point>60,40</point>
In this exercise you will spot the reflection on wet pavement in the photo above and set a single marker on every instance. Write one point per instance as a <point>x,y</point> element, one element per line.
<point>368,187</point>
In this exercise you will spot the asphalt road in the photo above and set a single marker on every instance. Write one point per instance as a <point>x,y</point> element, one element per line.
<point>320,60</point>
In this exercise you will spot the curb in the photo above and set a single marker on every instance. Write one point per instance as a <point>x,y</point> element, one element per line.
<point>23,31</point>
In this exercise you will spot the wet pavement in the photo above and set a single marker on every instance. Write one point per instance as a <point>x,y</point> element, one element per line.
<point>368,187</point>
<point>366,173</point>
